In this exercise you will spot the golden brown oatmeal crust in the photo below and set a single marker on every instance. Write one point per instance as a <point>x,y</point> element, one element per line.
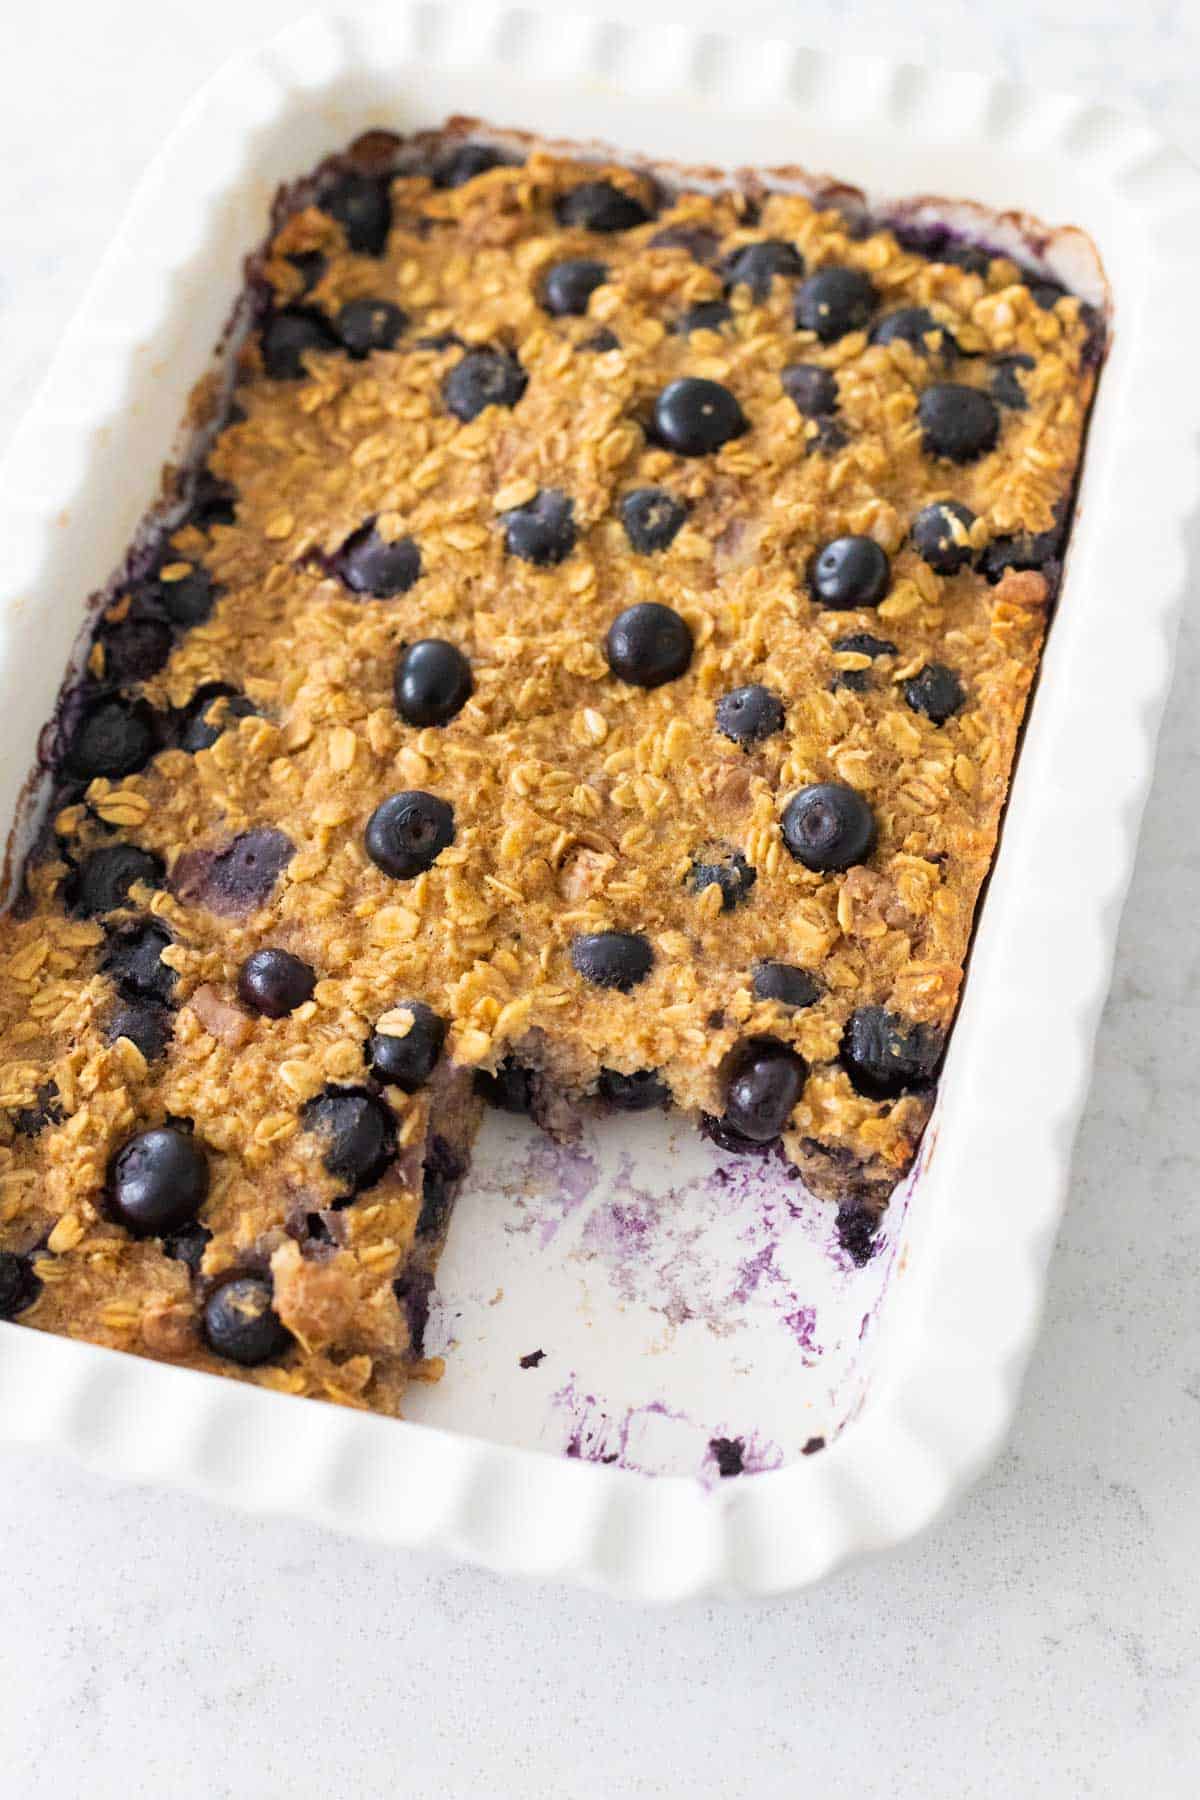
<point>580,803</point>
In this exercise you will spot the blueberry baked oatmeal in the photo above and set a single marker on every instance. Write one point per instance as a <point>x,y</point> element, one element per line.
<point>585,665</point>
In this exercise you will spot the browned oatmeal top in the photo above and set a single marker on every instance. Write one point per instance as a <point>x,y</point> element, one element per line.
<point>581,801</point>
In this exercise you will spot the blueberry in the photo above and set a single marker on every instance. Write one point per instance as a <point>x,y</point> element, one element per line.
<point>102,883</point>
<point>412,1291</point>
<point>856,1226</point>
<point>312,1229</point>
<point>443,1169</point>
<point>370,564</point>
<point>235,880</point>
<point>366,325</point>
<point>135,649</point>
<point>749,714</point>
<point>972,258</point>
<point>1005,384</point>
<point>310,265</point>
<point>188,601</point>
<point>145,1024</point>
<point>960,423</point>
<point>113,738</point>
<point>432,682</point>
<point>158,1181</point>
<point>1095,343</point>
<point>359,1134</point>
<point>287,338</point>
<point>886,1055</point>
<point>852,681</point>
<point>648,644</point>
<point>694,417</point>
<point>696,240</point>
<point>706,315</point>
<point>915,326</point>
<point>728,1454</point>
<point>274,983</point>
<point>241,1325</point>
<point>509,1087</point>
<point>454,168</point>
<point>214,502</point>
<point>940,244</point>
<point>812,390</point>
<point>848,573</point>
<point>483,378</point>
<point>864,643</point>
<point>197,728</point>
<point>765,1080</point>
<point>1040,550</point>
<point>541,532</point>
<point>828,826</point>
<point>756,265</point>
<point>652,518</point>
<point>940,534</point>
<point>599,206</point>
<point>29,1121</point>
<point>362,206</point>
<point>407,1062</point>
<point>570,285</point>
<point>834,302</point>
<point>1046,294</point>
<point>732,874</point>
<point>638,1092</point>
<point>133,958</point>
<point>187,1245</point>
<point>407,833</point>
<point>600,341</point>
<point>19,1286</point>
<point>935,691</point>
<point>786,984</point>
<point>612,959</point>
<point>830,437</point>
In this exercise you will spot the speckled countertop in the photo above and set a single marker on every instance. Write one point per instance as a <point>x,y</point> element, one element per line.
<point>1045,1639</point>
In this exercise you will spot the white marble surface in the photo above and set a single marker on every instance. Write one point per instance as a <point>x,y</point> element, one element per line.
<point>1046,1639</point>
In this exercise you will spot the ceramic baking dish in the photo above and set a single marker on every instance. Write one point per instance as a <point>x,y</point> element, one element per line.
<point>680,1301</point>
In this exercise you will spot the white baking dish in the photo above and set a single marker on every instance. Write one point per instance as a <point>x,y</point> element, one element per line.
<point>652,1351</point>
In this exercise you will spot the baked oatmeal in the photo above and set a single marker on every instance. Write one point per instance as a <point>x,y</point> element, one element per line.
<point>589,665</point>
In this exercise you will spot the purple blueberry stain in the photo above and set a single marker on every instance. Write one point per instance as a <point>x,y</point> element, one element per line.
<point>562,1177</point>
<point>236,880</point>
<point>621,1232</point>
<point>655,1253</point>
<point>756,1269</point>
<point>802,1323</point>
<point>632,1438</point>
<point>722,1248</point>
<point>659,1254</point>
